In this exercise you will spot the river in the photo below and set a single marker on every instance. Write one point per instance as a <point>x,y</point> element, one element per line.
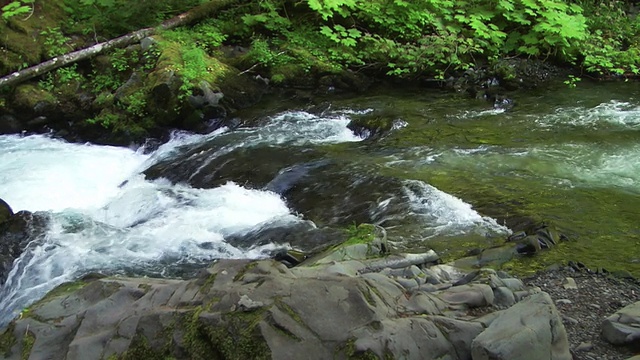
<point>453,173</point>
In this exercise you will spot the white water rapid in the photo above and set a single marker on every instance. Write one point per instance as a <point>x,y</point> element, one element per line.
<point>106,217</point>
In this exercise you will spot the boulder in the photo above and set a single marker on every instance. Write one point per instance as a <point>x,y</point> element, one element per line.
<point>15,234</point>
<point>9,124</point>
<point>623,327</point>
<point>5,211</point>
<point>348,302</point>
<point>531,329</point>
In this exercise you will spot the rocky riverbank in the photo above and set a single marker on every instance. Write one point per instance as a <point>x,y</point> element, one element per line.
<point>587,301</point>
<point>356,300</point>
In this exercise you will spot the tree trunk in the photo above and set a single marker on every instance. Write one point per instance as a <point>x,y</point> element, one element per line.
<point>190,16</point>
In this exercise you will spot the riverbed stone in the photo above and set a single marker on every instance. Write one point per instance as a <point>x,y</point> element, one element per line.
<point>531,329</point>
<point>503,296</point>
<point>623,327</point>
<point>471,295</point>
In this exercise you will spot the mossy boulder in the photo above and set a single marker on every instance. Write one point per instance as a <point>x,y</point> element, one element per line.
<point>33,99</point>
<point>373,125</point>
<point>365,241</point>
<point>22,40</point>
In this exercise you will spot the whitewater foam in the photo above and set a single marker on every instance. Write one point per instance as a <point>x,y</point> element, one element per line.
<point>106,217</point>
<point>616,113</point>
<point>445,214</point>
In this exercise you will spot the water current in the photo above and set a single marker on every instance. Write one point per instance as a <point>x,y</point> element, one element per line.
<point>566,156</point>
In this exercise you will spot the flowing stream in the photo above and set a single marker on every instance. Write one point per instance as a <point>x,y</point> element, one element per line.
<point>452,172</point>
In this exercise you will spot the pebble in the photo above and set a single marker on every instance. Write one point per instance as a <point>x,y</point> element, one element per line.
<point>570,283</point>
<point>595,306</point>
<point>570,320</point>
<point>563,301</point>
<point>584,346</point>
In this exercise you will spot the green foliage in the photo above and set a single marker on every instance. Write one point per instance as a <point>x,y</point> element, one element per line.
<point>572,81</point>
<point>205,35</point>
<point>135,103</point>
<point>109,18</point>
<point>360,234</point>
<point>120,60</point>
<point>55,43</point>
<point>433,37</point>
<point>105,119</point>
<point>195,68</point>
<point>341,35</point>
<point>15,8</point>
<point>60,77</point>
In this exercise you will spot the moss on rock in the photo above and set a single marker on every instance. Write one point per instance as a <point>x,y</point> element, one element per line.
<point>27,96</point>
<point>7,340</point>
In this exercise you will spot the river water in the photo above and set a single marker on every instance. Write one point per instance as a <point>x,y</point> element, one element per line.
<point>453,173</point>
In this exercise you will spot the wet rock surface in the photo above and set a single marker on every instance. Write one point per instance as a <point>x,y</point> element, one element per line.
<point>17,231</point>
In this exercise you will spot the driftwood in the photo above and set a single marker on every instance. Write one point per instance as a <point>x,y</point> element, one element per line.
<point>188,17</point>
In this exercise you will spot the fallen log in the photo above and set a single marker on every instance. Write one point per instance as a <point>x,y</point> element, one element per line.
<point>186,18</point>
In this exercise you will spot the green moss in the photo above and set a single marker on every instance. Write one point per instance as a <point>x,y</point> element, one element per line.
<point>145,287</point>
<point>211,279</point>
<point>139,349</point>
<point>7,340</point>
<point>27,344</point>
<point>361,234</point>
<point>368,296</point>
<point>237,336</point>
<point>240,337</point>
<point>196,341</point>
<point>60,290</point>
<point>289,311</point>
<point>240,275</point>
<point>374,289</point>
<point>192,64</point>
<point>28,95</point>
<point>349,349</point>
<point>21,35</point>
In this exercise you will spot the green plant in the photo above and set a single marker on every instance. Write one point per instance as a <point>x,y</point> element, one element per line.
<point>195,68</point>
<point>120,60</point>
<point>135,103</point>
<point>341,35</point>
<point>59,77</point>
<point>68,74</point>
<point>18,7</point>
<point>110,18</point>
<point>105,119</point>
<point>101,82</point>
<point>55,42</point>
<point>572,81</point>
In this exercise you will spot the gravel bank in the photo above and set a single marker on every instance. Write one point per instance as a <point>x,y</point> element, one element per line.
<point>584,306</point>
